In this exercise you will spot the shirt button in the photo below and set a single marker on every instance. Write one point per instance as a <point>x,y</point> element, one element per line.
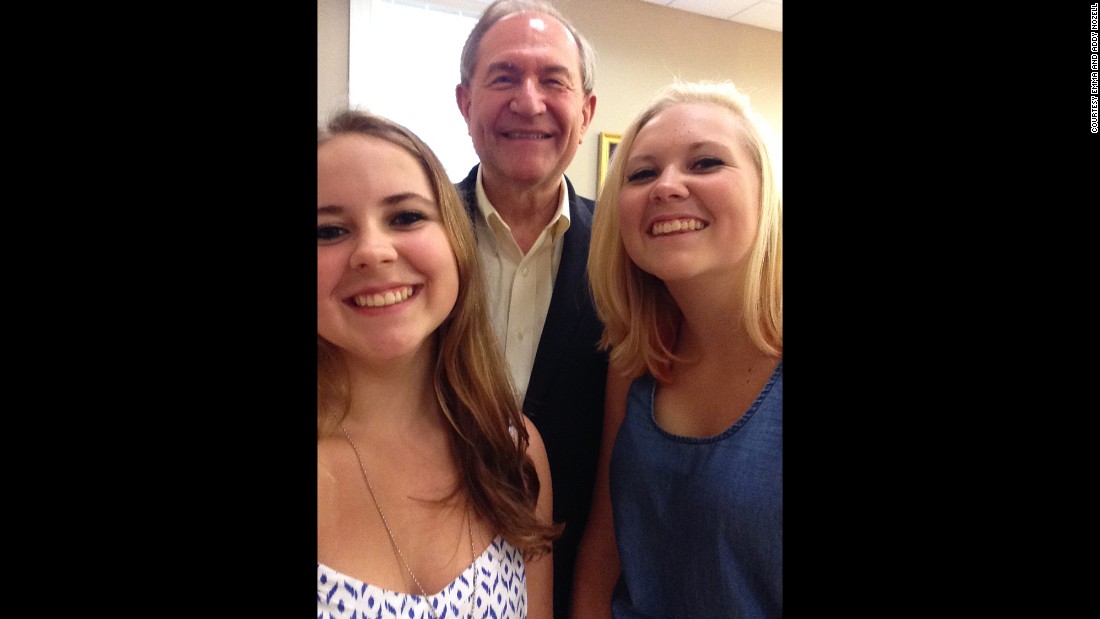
<point>525,271</point>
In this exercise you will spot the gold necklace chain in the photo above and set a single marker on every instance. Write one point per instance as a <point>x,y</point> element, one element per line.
<point>393,540</point>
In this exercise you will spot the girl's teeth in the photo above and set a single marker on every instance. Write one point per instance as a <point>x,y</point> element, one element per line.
<point>383,299</point>
<point>666,227</point>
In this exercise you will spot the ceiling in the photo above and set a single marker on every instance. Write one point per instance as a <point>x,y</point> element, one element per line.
<point>766,14</point>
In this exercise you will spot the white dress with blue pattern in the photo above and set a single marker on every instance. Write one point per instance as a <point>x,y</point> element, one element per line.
<point>501,594</point>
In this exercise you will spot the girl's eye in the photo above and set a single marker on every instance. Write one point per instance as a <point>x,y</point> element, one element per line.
<point>708,162</point>
<point>407,218</point>
<point>640,175</point>
<point>329,233</point>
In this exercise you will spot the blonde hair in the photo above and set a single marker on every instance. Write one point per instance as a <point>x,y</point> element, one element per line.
<point>640,317</point>
<point>471,381</point>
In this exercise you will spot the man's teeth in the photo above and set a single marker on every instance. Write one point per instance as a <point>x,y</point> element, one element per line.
<point>677,225</point>
<point>528,136</point>
<point>383,299</point>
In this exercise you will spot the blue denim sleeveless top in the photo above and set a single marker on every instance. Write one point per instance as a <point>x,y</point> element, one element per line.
<point>699,521</point>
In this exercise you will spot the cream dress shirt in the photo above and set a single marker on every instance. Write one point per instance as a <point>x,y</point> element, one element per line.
<point>519,286</point>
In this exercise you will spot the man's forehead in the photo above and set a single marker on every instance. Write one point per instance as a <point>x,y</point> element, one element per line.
<point>538,26</point>
<point>526,39</point>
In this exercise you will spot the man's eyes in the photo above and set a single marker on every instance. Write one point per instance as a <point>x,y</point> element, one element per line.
<point>549,82</point>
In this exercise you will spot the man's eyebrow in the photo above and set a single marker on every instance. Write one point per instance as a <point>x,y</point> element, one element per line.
<point>556,68</point>
<point>511,67</point>
<point>501,65</point>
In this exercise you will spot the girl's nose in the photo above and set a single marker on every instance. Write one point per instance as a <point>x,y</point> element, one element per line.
<point>373,250</point>
<point>669,186</point>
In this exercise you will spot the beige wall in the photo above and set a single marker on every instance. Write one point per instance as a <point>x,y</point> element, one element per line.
<point>333,17</point>
<point>639,48</point>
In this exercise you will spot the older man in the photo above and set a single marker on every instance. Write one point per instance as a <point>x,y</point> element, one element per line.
<point>527,97</point>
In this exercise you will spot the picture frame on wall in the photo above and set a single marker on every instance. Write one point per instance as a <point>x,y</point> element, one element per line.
<point>608,142</point>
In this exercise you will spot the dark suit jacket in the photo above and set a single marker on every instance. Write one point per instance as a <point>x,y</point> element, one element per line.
<point>565,396</point>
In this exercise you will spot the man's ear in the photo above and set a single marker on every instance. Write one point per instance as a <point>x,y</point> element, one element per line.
<point>462,98</point>
<point>588,112</point>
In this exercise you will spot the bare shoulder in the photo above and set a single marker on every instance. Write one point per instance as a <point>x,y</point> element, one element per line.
<point>618,387</point>
<point>328,487</point>
<point>536,448</point>
<point>328,466</point>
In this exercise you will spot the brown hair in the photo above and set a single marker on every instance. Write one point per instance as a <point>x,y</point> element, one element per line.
<point>472,383</point>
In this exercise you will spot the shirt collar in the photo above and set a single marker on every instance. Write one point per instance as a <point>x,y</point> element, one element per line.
<point>489,212</point>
